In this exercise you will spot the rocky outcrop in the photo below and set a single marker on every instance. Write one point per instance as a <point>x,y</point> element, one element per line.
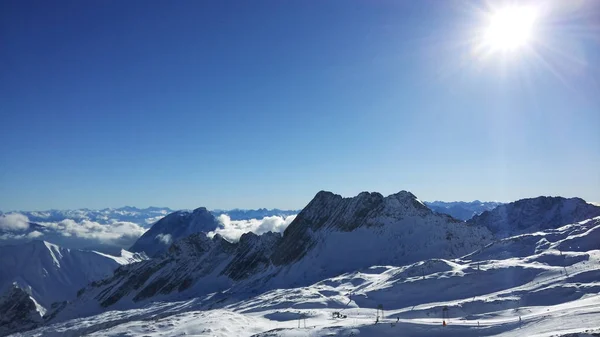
<point>18,311</point>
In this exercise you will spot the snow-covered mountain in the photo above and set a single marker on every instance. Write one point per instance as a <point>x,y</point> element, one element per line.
<point>38,274</point>
<point>52,273</point>
<point>460,209</point>
<point>530,215</point>
<point>542,284</point>
<point>173,227</point>
<point>331,235</point>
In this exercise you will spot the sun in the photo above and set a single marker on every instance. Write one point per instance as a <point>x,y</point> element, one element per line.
<point>509,28</point>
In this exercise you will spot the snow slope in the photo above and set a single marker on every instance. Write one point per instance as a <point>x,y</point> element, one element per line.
<point>36,274</point>
<point>548,284</point>
<point>52,273</point>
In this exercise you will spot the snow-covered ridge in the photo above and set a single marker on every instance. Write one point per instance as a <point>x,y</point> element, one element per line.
<point>37,276</point>
<point>50,273</point>
<point>534,214</point>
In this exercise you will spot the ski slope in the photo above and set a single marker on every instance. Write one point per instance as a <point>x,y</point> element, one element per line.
<point>540,284</point>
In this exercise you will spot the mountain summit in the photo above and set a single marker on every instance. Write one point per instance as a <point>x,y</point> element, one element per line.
<point>173,227</point>
<point>533,214</point>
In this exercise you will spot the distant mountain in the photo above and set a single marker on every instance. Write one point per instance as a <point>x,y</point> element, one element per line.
<point>173,227</point>
<point>528,215</point>
<point>329,236</point>
<point>247,214</point>
<point>460,209</point>
<point>36,274</point>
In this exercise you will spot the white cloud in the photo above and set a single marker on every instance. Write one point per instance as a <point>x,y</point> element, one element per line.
<point>110,233</point>
<point>153,220</point>
<point>34,234</point>
<point>14,221</point>
<point>233,229</point>
<point>13,236</point>
<point>165,238</point>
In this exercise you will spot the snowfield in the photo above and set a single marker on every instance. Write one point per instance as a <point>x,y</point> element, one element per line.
<point>540,284</point>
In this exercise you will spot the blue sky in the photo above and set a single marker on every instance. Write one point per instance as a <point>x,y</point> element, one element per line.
<point>263,103</point>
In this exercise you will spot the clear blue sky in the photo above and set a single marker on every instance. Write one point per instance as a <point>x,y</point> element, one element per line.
<point>263,103</point>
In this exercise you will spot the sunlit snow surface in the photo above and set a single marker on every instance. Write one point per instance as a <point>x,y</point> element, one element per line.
<point>550,279</point>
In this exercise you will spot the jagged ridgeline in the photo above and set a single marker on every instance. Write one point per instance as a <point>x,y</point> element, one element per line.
<point>331,235</point>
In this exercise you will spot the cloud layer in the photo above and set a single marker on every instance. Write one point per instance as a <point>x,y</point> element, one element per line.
<point>71,233</point>
<point>14,222</point>
<point>111,233</point>
<point>233,229</point>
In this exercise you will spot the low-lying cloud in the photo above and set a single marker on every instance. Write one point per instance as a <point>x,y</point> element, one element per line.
<point>82,234</point>
<point>165,238</point>
<point>12,236</point>
<point>111,233</point>
<point>14,222</point>
<point>232,230</point>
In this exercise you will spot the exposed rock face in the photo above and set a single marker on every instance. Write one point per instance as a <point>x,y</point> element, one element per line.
<point>196,264</point>
<point>18,311</point>
<point>331,211</point>
<point>333,235</point>
<point>535,214</point>
<point>173,227</point>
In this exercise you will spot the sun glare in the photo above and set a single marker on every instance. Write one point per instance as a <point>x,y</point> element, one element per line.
<point>509,28</point>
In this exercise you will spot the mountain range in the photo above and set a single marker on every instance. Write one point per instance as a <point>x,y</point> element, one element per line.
<point>397,239</point>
